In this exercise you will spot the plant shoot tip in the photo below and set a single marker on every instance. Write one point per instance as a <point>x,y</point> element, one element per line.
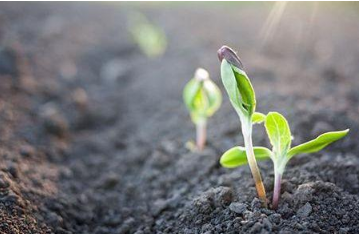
<point>201,74</point>
<point>230,56</point>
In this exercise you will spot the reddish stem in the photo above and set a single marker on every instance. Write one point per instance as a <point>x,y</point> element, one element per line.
<point>201,135</point>
<point>247,134</point>
<point>276,191</point>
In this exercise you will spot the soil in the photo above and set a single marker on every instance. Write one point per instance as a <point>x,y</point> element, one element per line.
<point>93,133</point>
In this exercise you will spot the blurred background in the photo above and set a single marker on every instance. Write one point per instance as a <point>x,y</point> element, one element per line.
<point>92,94</point>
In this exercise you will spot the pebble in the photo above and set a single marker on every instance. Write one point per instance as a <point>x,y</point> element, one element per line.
<point>223,195</point>
<point>304,211</point>
<point>203,204</point>
<point>237,207</point>
<point>304,193</point>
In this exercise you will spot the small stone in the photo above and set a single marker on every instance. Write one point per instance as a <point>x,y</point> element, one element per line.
<point>237,207</point>
<point>304,193</point>
<point>203,204</point>
<point>223,195</point>
<point>304,211</point>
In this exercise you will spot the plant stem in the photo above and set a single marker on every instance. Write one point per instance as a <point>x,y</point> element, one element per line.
<point>201,134</point>
<point>276,190</point>
<point>247,134</point>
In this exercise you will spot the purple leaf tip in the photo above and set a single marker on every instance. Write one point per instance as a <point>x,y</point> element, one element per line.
<point>230,56</point>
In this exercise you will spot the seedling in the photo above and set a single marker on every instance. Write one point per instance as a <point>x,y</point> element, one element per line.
<point>242,97</point>
<point>202,98</point>
<point>149,37</point>
<point>279,134</point>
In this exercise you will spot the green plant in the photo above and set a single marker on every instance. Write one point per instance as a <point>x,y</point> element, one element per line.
<point>149,37</point>
<point>202,98</point>
<point>242,98</point>
<point>279,134</point>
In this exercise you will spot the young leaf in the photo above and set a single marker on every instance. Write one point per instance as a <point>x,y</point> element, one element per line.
<point>150,38</point>
<point>230,84</point>
<point>278,132</point>
<point>230,56</point>
<point>239,89</point>
<point>201,96</point>
<point>318,143</point>
<point>214,97</point>
<point>237,156</point>
<point>189,93</point>
<point>258,118</point>
<point>245,89</point>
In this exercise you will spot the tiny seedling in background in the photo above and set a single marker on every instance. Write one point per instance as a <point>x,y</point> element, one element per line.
<point>202,98</point>
<point>242,97</point>
<point>279,134</point>
<point>149,37</point>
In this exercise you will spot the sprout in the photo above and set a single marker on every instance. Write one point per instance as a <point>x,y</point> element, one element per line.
<point>242,97</point>
<point>279,134</point>
<point>202,98</point>
<point>149,37</point>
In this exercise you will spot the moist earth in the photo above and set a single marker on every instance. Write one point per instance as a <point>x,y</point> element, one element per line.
<point>93,134</point>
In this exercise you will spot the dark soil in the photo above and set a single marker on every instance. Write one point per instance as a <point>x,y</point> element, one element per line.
<point>93,134</point>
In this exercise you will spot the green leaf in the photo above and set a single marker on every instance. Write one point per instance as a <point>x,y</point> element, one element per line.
<point>214,97</point>
<point>202,98</point>
<point>237,156</point>
<point>258,118</point>
<point>318,143</point>
<point>278,133</point>
<point>150,38</point>
<point>239,89</point>
<point>190,92</point>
